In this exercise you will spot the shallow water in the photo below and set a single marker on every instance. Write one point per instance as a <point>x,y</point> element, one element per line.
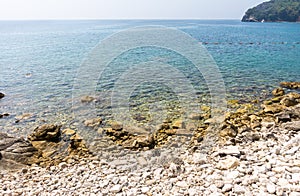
<point>39,61</point>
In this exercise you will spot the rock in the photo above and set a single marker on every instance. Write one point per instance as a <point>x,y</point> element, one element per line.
<point>68,132</point>
<point>273,108</point>
<point>288,101</point>
<point>227,188</point>
<point>294,126</point>
<point>93,122</point>
<point>47,132</point>
<point>239,189</point>
<point>267,124</point>
<point>87,99</point>
<point>229,131</point>
<point>145,189</point>
<point>16,149</point>
<point>163,126</point>
<point>230,150</point>
<point>25,116</point>
<point>142,161</point>
<point>195,116</point>
<point>229,163</point>
<point>77,142</point>
<point>116,188</point>
<point>178,124</point>
<point>117,126</point>
<point>278,92</point>
<point>290,85</point>
<point>199,158</point>
<point>182,184</point>
<point>271,188</point>
<point>2,95</point>
<point>282,117</point>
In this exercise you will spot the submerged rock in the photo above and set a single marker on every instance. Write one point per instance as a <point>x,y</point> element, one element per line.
<point>93,122</point>
<point>24,116</point>
<point>87,99</point>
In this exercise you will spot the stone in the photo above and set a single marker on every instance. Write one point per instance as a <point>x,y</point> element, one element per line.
<point>229,150</point>
<point>116,188</point>
<point>68,132</point>
<point>199,158</point>
<point>292,126</point>
<point>227,188</point>
<point>278,92</point>
<point>290,85</point>
<point>282,117</point>
<point>142,161</point>
<point>93,122</point>
<point>2,95</point>
<point>18,150</point>
<point>145,189</point>
<point>25,116</point>
<point>195,116</point>
<point>239,189</point>
<point>47,132</point>
<point>271,188</point>
<point>288,102</point>
<point>178,124</point>
<point>229,163</point>
<point>87,99</point>
<point>273,108</point>
<point>117,126</point>
<point>182,184</point>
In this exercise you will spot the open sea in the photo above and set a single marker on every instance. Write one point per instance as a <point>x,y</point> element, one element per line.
<point>40,63</point>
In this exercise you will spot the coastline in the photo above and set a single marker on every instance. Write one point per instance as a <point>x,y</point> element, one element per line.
<point>256,151</point>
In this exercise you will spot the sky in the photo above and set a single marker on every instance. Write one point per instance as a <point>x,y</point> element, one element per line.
<point>124,9</point>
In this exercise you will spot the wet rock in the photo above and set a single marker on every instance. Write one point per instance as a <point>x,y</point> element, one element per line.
<point>93,122</point>
<point>163,126</point>
<point>2,95</point>
<point>47,132</point>
<point>195,116</point>
<point>273,108</point>
<point>117,126</point>
<point>178,124</point>
<point>69,132</point>
<point>290,85</point>
<point>77,143</point>
<point>288,101</point>
<point>87,99</point>
<point>278,92</point>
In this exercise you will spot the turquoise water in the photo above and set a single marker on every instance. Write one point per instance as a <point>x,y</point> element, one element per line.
<point>39,61</point>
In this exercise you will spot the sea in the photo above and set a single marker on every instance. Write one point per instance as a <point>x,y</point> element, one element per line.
<point>42,64</point>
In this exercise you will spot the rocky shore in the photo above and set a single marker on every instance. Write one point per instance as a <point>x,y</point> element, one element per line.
<point>255,151</point>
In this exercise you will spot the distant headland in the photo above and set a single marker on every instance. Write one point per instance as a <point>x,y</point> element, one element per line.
<point>274,11</point>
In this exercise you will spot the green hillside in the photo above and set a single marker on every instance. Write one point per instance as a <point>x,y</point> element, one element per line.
<point>274,11</point>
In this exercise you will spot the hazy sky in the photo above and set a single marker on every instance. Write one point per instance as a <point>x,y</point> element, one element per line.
<point>124,9</point>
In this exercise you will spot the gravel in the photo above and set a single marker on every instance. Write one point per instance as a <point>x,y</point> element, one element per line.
<point>265,167</point>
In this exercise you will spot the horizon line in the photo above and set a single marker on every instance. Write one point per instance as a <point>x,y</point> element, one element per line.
<point>73,19</point>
